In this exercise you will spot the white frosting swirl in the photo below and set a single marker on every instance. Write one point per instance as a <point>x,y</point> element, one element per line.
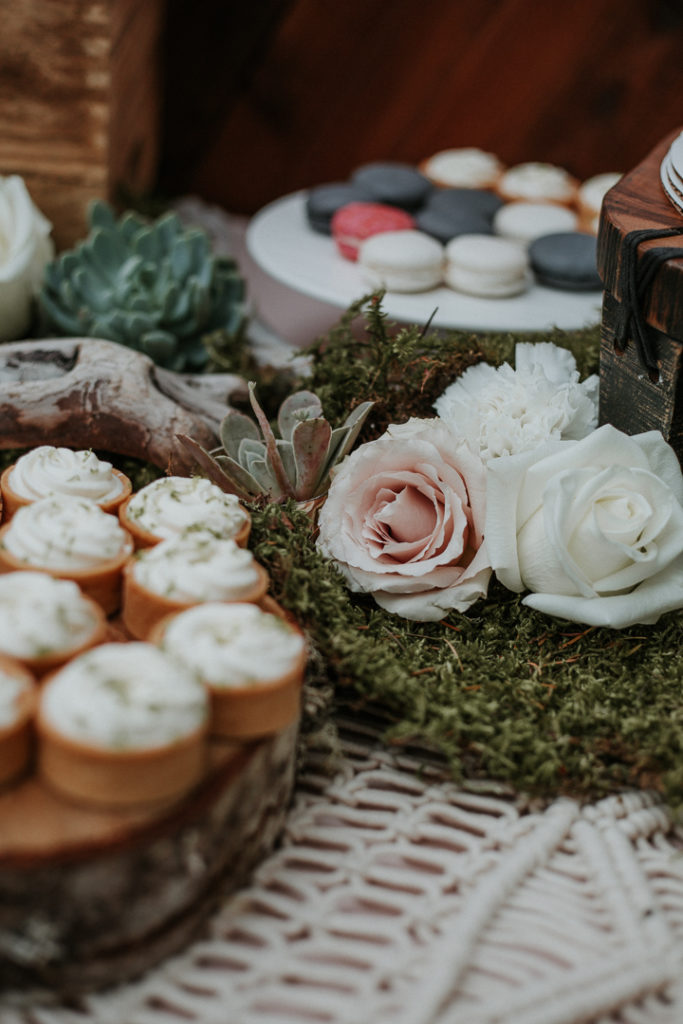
<point>197,566</point>
<point>11,690</point>
<point>49,470</point>
<point>538,180</point>
<point>40,615</point>
<point>65,533</point>
<point>230,645</point>
<point>125,697</point>
<point>171,504</point>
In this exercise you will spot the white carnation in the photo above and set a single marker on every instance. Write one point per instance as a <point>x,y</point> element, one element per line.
<point>501,411</point>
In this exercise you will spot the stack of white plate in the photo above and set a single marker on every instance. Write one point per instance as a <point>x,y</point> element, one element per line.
<point>672,173</point>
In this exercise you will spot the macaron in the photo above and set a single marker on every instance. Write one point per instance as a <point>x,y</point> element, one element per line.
<point>487,266</point>
<point>537,182</point>
<point>590,196</point>
<point>355,222</point>
<point>323,201</point>
<point>392,182</point>
<point>402,261</point>
<point>467,167</point>
<point>473,200</point>
<point>566,260</point>
<point>523,222</point>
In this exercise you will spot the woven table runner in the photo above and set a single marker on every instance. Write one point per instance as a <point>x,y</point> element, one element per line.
<point>397,896</point>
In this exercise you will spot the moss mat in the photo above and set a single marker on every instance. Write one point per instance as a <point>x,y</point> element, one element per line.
<point>502,691</point>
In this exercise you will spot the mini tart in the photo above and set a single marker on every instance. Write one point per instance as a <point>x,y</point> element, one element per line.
<point>26,543</point>
<point>51,470</point>
<point>122,725</point>
<point>170,505</point>
<point>173,588</point>
<point>252,662</point>
<point>45,622</point>
<point>538,183</point>
<point>17,708</point>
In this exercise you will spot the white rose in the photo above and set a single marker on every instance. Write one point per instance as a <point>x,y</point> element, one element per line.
<point>502,411</point>
<point>25,248</point>
<point>403,518</point>
<point>593,527</point>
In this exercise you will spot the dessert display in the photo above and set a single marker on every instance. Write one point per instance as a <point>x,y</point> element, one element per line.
<point>111,767</point>
<point>355,222</point>
<point>487,266</point>
<point>467,167</point>
<point>48,470</point>
<point>453,193</point>
<point>402,261</point>
<point>44,621</point>
<point>17,702</point>
<point>168,506</point>
<point>70,538</point>
<point>671,173</point>
<point>120,725</point>
<point>251,660</point>
<point>182,571</point>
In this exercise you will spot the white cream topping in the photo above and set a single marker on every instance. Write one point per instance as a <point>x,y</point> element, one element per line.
<point>65,533</point>
<point>229,645</point>
<point>11,690</point>
<point>40,615</point>
<point>129,696</point>
<point>467,167</point>
<point>171,504</point>
<point>538,180</point>
<point>196,566</point>
<point>49,470</point>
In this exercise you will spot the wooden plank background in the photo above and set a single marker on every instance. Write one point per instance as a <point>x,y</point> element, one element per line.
<point>279,95</point>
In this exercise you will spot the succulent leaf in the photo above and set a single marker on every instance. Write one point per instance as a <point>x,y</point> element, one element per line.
<point>130,279</point>
<point>299,406</point>
<point>234,428</point>
<point>310,443</point>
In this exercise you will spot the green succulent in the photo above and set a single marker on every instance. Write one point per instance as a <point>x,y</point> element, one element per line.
<point>253,462</point>
<point>153,286</point>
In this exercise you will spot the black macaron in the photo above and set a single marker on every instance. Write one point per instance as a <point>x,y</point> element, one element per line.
<point>323,201</point>
<point>448,224</point>
<point>566,260</point>
<point>472,200</point>
<point>393,183</point>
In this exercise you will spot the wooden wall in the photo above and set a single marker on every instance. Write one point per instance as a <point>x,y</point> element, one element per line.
<point>270,97</point>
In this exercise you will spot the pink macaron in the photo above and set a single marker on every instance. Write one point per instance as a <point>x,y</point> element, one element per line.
<point>356,221</point>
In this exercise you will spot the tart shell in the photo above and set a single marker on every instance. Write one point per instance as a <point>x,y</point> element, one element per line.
<point>142,609</point>
<point>102,583</point>
<point>16,739</point>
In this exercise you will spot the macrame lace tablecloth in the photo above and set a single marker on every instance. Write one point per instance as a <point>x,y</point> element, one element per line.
<point>397,896</point>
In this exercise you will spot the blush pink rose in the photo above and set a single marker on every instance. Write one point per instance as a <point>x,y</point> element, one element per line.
<point>404,519</point>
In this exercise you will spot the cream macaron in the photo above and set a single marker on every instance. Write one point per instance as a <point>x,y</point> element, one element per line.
<point>402,261</point>
<point>523,222</point>
<point>538,182</point>
<point>487,266</point>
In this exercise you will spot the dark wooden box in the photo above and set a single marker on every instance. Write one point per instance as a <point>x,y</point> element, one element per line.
<point>642,390</point>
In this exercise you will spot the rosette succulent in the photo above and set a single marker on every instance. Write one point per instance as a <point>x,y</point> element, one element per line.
<point>153,286</point>
<point>253,462</point>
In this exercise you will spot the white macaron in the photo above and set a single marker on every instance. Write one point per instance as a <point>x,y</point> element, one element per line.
<point>487,266</point>
<point>523,222</point>
<point>402,261</point>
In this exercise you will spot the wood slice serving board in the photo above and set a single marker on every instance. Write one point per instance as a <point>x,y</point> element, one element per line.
<point>90,898</point>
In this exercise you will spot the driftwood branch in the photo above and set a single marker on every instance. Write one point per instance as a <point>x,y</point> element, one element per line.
<point>90,393</point>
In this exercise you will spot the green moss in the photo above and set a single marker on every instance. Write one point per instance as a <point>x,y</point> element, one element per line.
<point>404,369</point>
<point>502,692</point>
